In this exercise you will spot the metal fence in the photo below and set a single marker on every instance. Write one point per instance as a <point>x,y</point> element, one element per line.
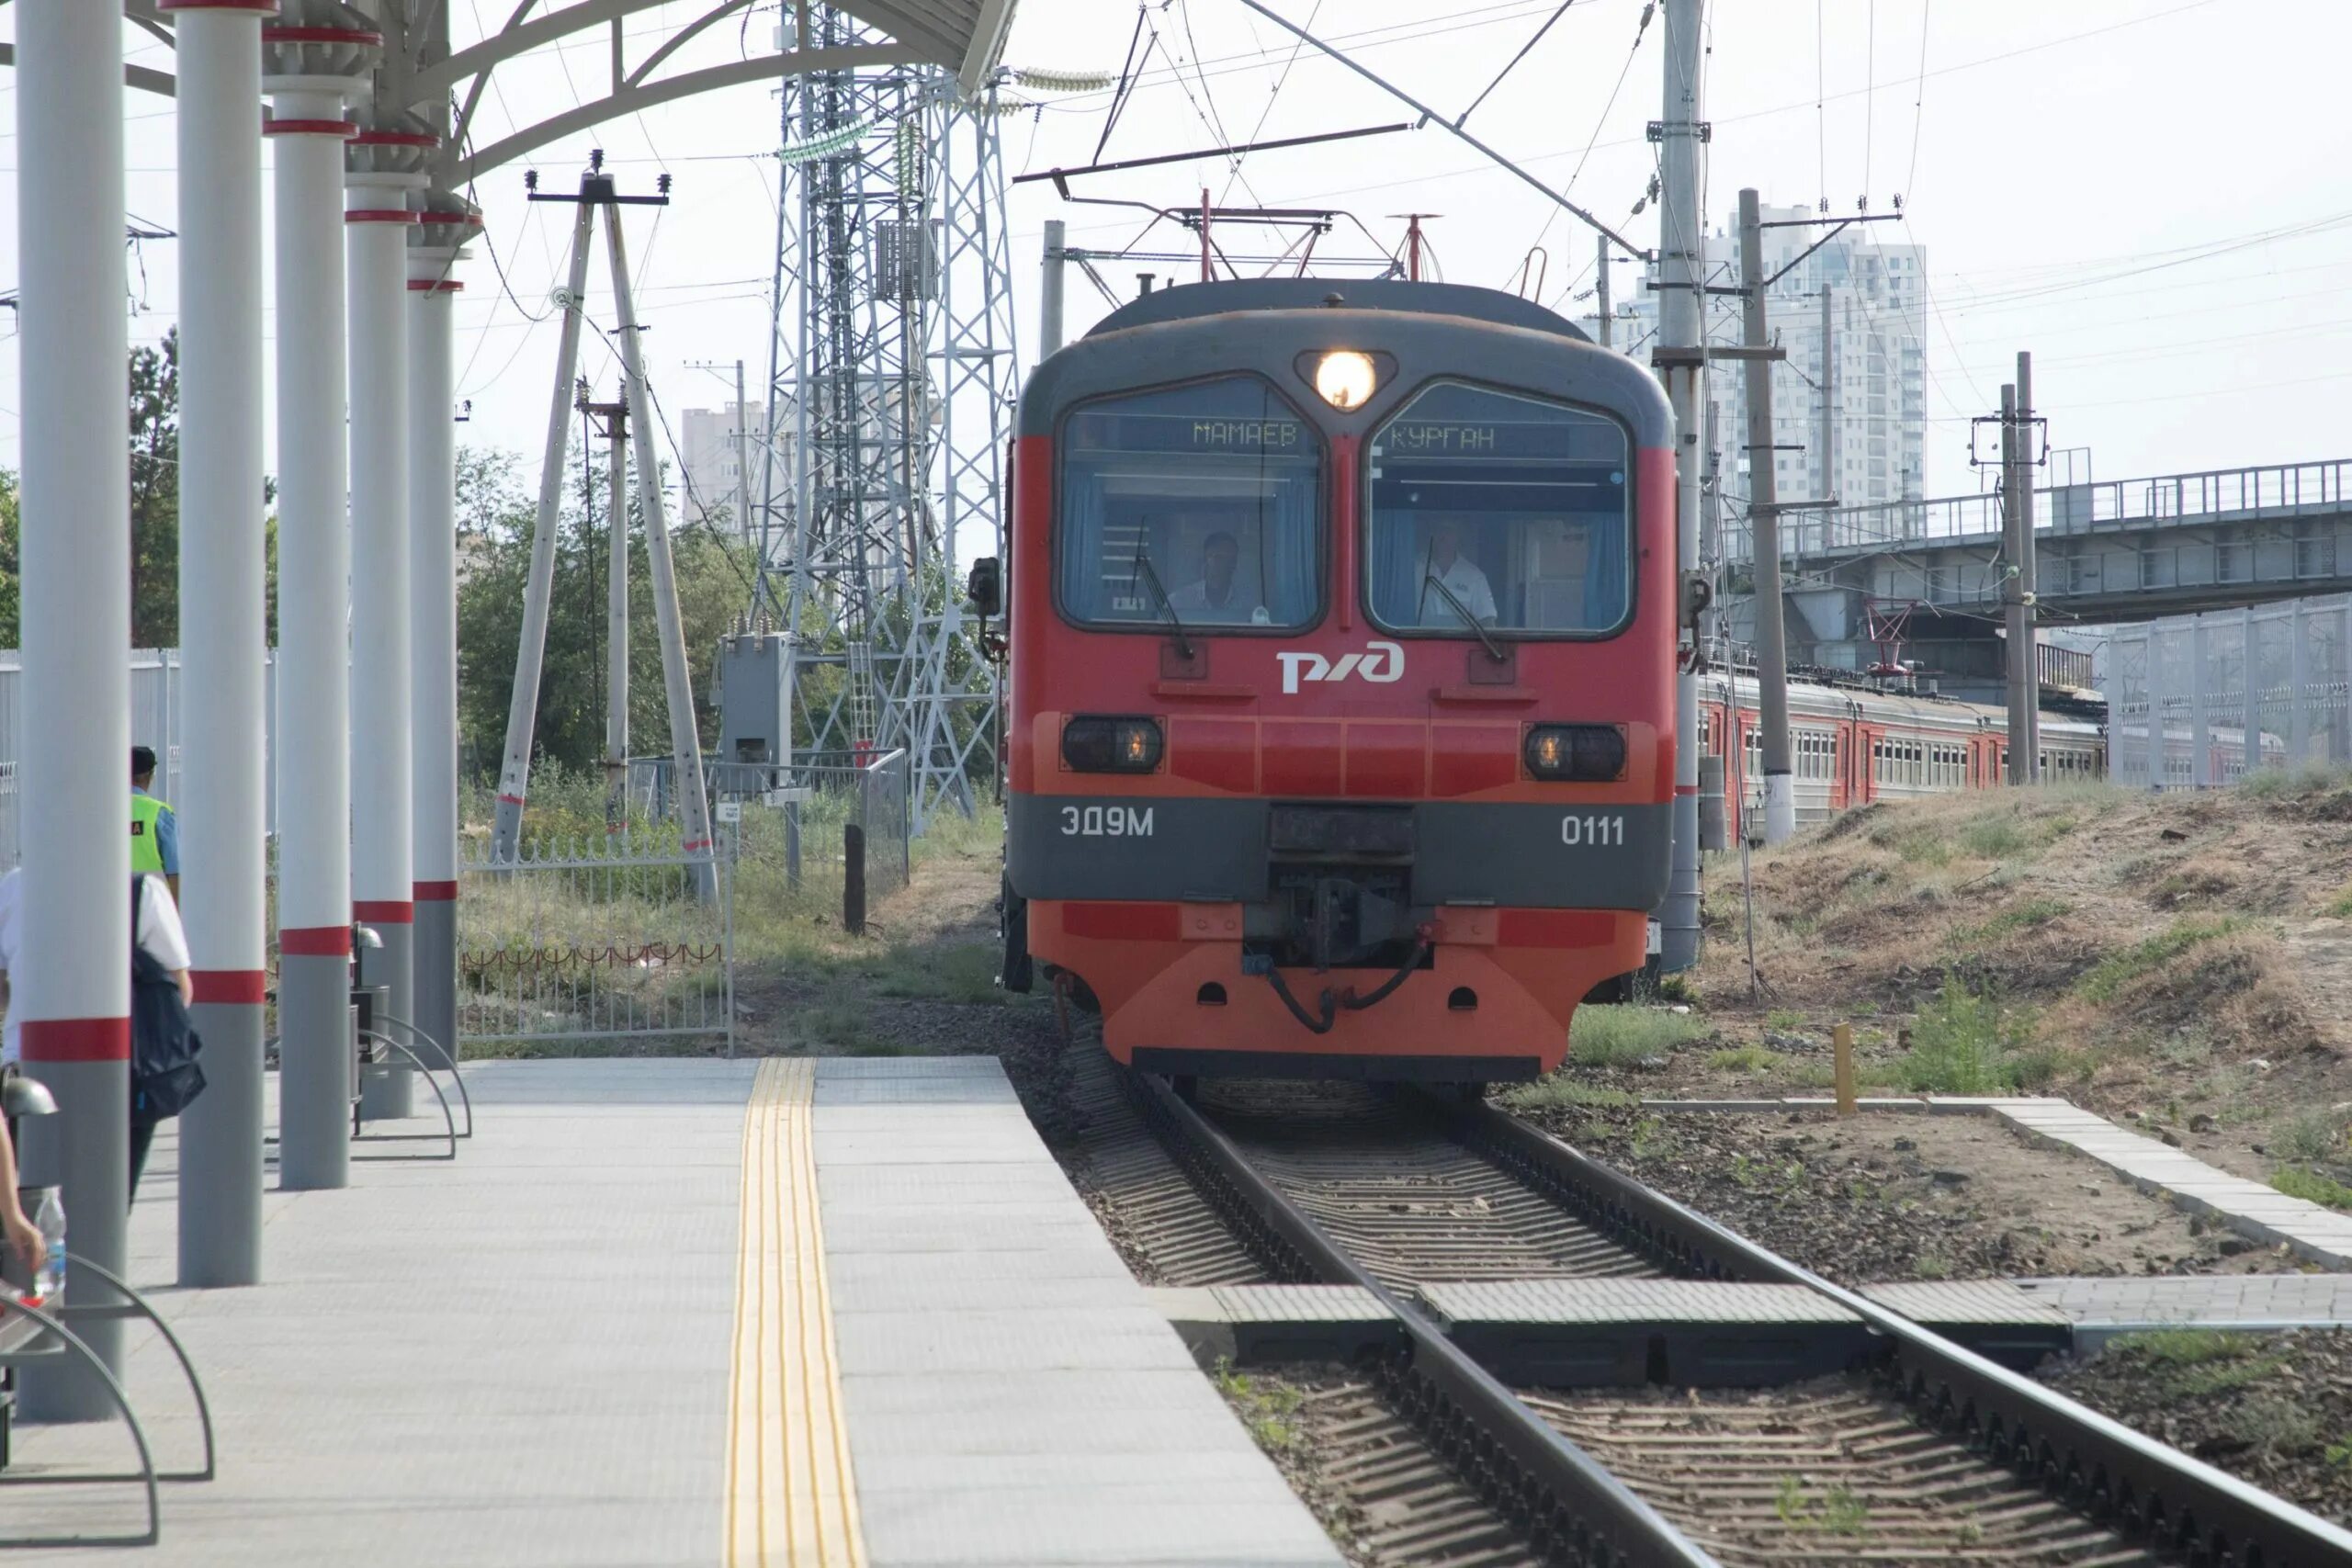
<point>608,941</point>
<point>155,722</point>
<point>789,818</point>
<point>2218,495</point>
<point>2199,700</point>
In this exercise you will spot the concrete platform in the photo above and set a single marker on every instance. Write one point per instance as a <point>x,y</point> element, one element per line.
<point>688,1312</point>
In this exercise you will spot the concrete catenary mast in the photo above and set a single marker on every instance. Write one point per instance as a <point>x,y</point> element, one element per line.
<point>1681,136</point>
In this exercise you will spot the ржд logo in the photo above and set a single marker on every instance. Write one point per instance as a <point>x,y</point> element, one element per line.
<point>1380,663</point>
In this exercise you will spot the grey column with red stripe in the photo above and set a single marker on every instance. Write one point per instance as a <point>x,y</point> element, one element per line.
<point>224,744</point>
<point>72,978</point>
<point>435,248</point>
<point>386,164</point>
<point>318,57</point>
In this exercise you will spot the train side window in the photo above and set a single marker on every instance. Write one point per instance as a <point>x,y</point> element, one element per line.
<point>1508,508</point>
<point>1209,494</point>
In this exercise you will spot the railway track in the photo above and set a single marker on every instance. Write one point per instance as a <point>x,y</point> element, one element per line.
<point>1922,1452</point>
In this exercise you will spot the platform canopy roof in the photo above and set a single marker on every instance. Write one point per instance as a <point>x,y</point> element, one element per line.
<point>428,65</point>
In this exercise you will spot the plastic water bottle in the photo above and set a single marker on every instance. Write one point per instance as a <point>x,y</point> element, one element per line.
<point>49,1280</point>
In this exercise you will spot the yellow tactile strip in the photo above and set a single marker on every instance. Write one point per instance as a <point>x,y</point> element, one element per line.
<point>791,1498</point>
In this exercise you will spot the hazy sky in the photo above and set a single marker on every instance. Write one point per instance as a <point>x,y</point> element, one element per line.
<point>2151,194</point>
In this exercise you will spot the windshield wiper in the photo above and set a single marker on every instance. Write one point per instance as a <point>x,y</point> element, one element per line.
<point>1494,649</point>
<point>1167,607</point>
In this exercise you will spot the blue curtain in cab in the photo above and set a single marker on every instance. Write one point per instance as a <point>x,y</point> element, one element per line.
<point>1604,572</point>
<point>1291,553</point>
<point>1078,552</point>
<point>1393,563</point>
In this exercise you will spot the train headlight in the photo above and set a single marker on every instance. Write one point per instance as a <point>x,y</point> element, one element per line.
<point>1587,753</point>
<point>1095,744</point>
<point>1345,378</point>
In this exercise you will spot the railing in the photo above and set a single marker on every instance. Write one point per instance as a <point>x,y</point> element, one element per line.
<point>2217,495</point>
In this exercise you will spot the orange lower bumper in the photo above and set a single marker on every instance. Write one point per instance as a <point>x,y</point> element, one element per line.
<point>1159,971</point>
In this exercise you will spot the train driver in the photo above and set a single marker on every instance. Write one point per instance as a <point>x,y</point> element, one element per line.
<point>1444,564</point>
<point>1218,596</point>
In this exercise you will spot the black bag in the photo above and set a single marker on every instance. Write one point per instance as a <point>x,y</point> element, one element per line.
<point>166,1078</point>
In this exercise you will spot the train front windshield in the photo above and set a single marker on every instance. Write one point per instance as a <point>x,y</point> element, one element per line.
<point>1205,499</point>
<point>1506,509</point>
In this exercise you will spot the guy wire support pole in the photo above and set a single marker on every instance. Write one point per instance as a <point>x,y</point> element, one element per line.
<point>530,651</point>
<point>685,742</point>
<point>318,56</point>
<point>1764,517</point>
<point>616,434</point>
<point>2028,463</point>
<point>2020,694</point>
<point>72,996</point>
<point>1681,134</point>
<point>435,248</point>
<point>1049,295</point>
<point>224,682</point>
<point>385,167</point>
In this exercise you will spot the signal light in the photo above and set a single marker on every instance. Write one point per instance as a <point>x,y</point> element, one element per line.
<point>1100,744</point>
<point>1585,753</point>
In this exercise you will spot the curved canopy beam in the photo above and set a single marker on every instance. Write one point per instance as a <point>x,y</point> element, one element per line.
<point>630,99</point>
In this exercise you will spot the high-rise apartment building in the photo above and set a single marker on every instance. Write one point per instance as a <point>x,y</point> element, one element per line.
<point>1850,427</point>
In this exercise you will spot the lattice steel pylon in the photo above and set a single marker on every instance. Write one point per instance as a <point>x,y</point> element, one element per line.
<point>890,384</point>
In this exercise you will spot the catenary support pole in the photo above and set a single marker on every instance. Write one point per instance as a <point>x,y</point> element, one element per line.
<point>685,742</point>
<point>1050,296</point>
<point>2029,468</point>
<point>1603,308</point>
<point>1826,489</point>
<point>385,166</point>
<point>436,247</point>
<point>1682,317</point>
<point>523,707</point>
<point>73,988</point>
<point>1764,516</point>
<point>223,646</point>
<point>312,68</point>
<point>2016,648</point>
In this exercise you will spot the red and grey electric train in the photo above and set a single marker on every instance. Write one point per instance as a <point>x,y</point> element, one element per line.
<point>1341,620</point>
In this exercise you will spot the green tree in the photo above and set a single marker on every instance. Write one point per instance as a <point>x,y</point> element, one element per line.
<point>155,494</point>
<point>12,597</point>
<point>495,513</point>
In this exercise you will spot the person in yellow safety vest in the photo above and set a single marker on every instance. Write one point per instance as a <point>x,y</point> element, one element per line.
<point>155,827</point>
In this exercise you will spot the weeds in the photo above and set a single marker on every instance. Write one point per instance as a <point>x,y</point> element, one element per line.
<point>2297,1181</point>
<point>1743,1059</point>
<point>2286,783</point>
<point>2113,972</point>
<point>1268,1409</point>
<point>1614,1036</point>
<point>2313,1135</point>
<point>1964,1042</point>
<point>1837,1511</point>
<point>2026,915</point>
<point>1995,838</point>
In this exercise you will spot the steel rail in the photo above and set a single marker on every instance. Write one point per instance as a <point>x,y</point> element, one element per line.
<point>1571,1506</point>
<point>2116,1476</point>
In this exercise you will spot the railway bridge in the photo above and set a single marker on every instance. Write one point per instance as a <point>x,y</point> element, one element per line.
<point>2115,550</point>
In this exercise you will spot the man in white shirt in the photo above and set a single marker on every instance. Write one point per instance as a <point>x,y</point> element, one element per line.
<point>159,933</point>
<point>1462,578</point>
<point>1218,595</point>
